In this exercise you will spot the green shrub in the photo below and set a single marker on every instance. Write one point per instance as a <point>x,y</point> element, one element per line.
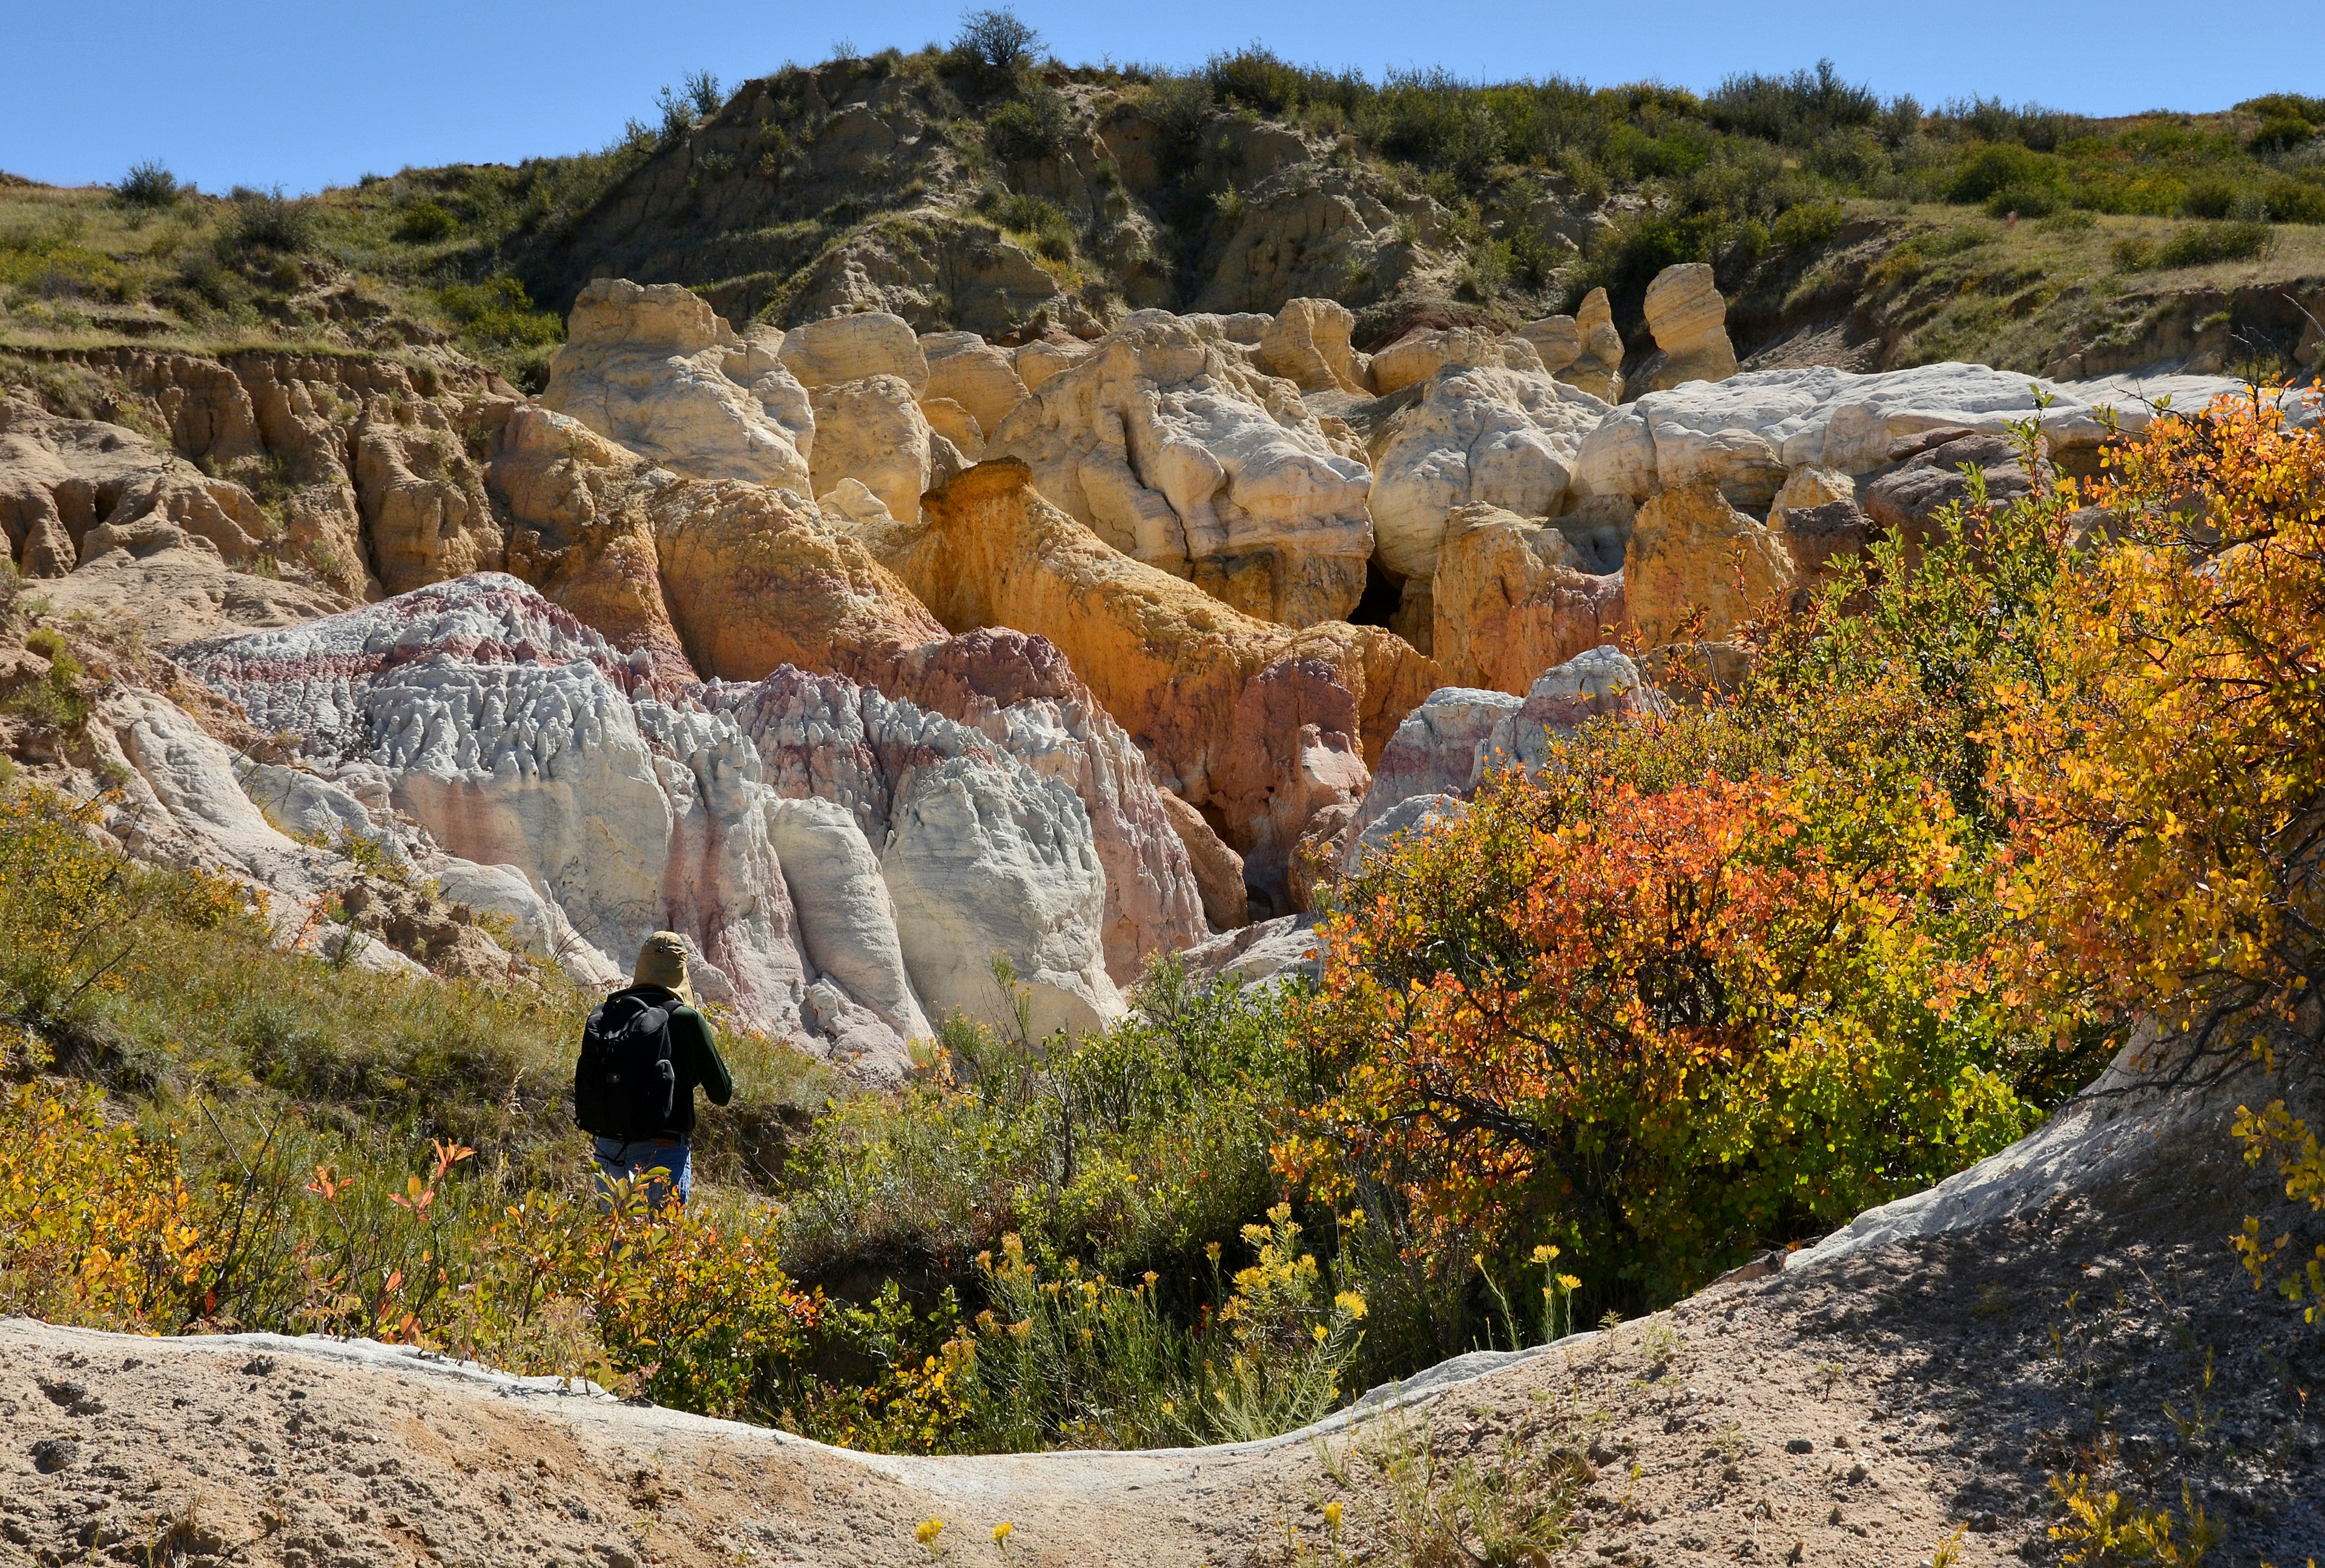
<point>150,185</point>
<point>2133,252</point>
<point>2281,135</point>
<point>2200,245</point>
<point>2286,106</point>
<point>698,98</point>
<point>1790,108</point>
<point>1030,128</point>
<point>266,222</point>
<point>2210,198</point>
<point>1431,118</point>
<point>2024,201</point>
<point>425,222</point>
<point>1808,225</point>
<point>57,700</point>
<point>1043,222</point>
<point>497,313</point>
<point>2001,167</point>
<point>2294,201</point>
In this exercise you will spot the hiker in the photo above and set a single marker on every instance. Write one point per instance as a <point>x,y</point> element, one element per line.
<point>642,1052</point>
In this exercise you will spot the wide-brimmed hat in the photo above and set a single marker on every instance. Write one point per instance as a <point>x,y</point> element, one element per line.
<point>663,962</point>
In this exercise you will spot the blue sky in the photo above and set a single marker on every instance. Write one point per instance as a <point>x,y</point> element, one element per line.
<point>303,96</point>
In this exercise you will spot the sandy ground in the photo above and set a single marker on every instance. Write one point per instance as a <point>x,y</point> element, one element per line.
<point>1920,1380</point>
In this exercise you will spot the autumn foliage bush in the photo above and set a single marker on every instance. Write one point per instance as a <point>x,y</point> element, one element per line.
<point>1720,976</point>
<point>2164,764</point>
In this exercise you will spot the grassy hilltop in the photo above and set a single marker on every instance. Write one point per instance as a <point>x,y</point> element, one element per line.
<point>970,179</point>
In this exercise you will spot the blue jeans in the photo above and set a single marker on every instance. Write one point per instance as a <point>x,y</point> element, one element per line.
<point>618,1161</point>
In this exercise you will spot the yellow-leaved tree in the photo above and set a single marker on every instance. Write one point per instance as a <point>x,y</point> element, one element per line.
<point>2164,764</point>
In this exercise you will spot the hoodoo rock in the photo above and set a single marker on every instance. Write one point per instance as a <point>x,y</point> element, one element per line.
<point>1419,355</point>
<point>1307,344</point>
<point>965,369</point>
<point>654,368</point>
<point>872,431</point>
<point>1749,432</point>
<point>735,580</point>
<point>1512,597</point>
<point>722,577</point>
<point>1689,319</point>
<point>1817,515</point>
<point>1257,725</point>
<point>1597,368</point>
<point>1447,746</point>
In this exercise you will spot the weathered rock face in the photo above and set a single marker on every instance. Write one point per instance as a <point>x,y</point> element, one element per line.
<point>1928,479</point>
<point>854,347</point>
<point>1512,597</point>
<point>583,535</point>
<point>288,421</point>
<point>131,535</point>
<point>71,490</point>
<point>653,369</point>
<point>1302,230</point>
<point>1749,432</point>
<point>1307,344</point>
<point>749,578</point>
<point>1039,360</point>
<point>517,738</point>
<point>965,369</point>
<point>1478,436</point>
<point>1419,355</point>
<point>1437,751</point>
<point>1690,550</point>
<point>421,498</point>
<point>1018,691</point>
<point>1176,454</point>
<point>871,431</point>
<point>1256,725</point>
<point>1689,319</point>
<point>1817,516</point>
<point>1407,819</point>
<point>1218,870</point>
<point>1447,746</point>
<point>942,271</point>
<point>1557,339</point>
<point>724,578</point>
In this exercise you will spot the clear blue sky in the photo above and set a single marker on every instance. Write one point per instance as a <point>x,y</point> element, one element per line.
<point>266,92</point>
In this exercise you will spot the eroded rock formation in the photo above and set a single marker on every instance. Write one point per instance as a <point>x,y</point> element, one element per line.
<point>516,736</point>
<point>654,368</point>
<point>1256,725</point>
<point>1176,453</point>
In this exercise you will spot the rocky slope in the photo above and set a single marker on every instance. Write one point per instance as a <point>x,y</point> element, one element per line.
<point>783,667</point>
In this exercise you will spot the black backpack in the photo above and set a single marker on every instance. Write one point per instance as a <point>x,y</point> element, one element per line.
<point>624,1085</point>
